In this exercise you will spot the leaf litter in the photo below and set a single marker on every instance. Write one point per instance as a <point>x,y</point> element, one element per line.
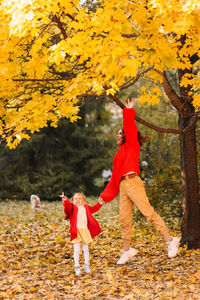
<point>36,259</point>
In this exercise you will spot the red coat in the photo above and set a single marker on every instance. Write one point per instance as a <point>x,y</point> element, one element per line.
<point>71,212</point>
<point>127,157</point>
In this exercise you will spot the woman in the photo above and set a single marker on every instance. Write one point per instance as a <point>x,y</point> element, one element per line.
<point>125,179</point>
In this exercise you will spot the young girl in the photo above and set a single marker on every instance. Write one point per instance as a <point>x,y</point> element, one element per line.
<point>83,226</point>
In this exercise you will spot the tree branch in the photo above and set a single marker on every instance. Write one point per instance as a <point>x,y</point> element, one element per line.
<point>172,96</point>
<point>71,17</point>
<point>194,58</point>
<point>192,123</point>
<point>182,108</point>
<point>60,26</point>
<point>159,129</point>
<point>138,119</point>
<point>129,35</point>
<point>42,79</point>
<point>135,79</point>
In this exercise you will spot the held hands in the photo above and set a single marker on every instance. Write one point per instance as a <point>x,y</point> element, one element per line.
<point>100,200</point>
<point>130,103</point>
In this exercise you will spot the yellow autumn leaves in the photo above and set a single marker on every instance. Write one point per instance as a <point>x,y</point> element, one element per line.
<point>36,259</point>
<point>61,50</point>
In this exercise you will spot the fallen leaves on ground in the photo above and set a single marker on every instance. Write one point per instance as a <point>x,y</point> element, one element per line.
<point>36,259</point>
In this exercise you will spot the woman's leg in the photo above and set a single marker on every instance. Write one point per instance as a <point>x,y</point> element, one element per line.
<point>125,217</point>
<point>136,193</point>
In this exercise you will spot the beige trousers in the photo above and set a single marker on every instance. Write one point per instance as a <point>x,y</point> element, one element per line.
<point>132,192</point>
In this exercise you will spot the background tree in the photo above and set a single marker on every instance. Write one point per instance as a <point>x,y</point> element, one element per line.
<point>43,166</point>
<point>53,52</point>
<point>67,158</point>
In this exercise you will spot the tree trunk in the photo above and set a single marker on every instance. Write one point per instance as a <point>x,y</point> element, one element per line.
<point>191,198</point>
<point>187,124</point>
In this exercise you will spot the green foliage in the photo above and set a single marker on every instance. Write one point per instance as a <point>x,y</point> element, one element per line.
<point>72,156</point>
<point>164,187</point>
<point>67,158</point>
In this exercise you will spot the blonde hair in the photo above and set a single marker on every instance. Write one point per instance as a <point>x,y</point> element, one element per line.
<point>83,196</point>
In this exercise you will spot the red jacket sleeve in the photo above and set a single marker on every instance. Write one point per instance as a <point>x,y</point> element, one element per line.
<point>68,207</point>
<point>130,130</point>
<point>129,126</point>
<point>111,190</point>
<point>95,208</point>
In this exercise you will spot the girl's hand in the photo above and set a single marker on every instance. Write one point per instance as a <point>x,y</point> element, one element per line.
<point>100,200</point>
<point>62,196</point>
<point>130,103</point>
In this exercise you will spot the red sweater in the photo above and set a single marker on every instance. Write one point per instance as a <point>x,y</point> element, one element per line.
<point>127,157</point>
<point>71,212</point>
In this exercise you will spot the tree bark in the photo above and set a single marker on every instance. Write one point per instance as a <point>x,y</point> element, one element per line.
<point>190,227</point>
<point>191,199</point>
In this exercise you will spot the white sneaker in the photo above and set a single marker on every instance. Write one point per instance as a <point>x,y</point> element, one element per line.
<point>173,247</point>
<point>126,256</point>
<point>87,268</point>
<point>77,271</point>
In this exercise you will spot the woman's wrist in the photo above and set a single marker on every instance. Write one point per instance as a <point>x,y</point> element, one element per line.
<point>130,103</point>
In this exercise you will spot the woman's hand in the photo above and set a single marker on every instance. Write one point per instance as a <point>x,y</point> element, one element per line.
<point>100,200</point>
<point>130,103</point>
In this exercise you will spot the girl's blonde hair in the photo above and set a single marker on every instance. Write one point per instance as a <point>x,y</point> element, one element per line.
<point>78,193</point>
